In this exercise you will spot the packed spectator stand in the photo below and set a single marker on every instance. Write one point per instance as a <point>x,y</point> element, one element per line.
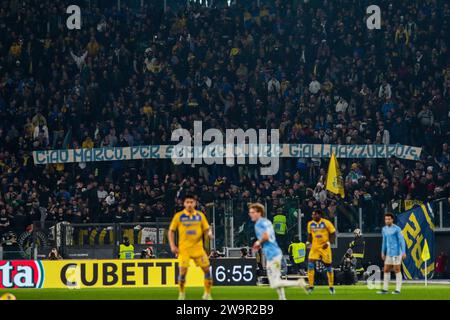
<point>131,75</point>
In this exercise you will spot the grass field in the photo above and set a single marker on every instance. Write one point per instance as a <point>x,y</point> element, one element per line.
<point>357,292</point>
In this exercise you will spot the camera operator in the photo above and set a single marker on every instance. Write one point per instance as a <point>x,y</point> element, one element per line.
<point>147,253</point>
<point>244,253</point>
<point>216,254</point>
<point>348,265</point>
<point>54,255</point>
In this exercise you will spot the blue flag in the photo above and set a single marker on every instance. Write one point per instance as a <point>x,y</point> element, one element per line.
<point>417,226</point>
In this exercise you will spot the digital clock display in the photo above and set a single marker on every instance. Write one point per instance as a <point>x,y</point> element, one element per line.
<point>234,272</point>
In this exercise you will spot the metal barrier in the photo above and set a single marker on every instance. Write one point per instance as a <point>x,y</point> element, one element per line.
<point>233,228</point>
<point>13,254</point>
<point>441,208</point>
<point>230,223</point>
<point>441,211</point>
<point>102,241</point>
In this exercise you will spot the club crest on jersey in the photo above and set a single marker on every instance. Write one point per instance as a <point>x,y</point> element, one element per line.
<point>189,220</point>
<point>315,226</point>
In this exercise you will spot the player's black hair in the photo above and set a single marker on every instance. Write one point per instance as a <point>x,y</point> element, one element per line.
<point>189,196</point>
<point>318,211</point>
<point>389,214</point>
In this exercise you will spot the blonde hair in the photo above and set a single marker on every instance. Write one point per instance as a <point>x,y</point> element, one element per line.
<point>258,207</point>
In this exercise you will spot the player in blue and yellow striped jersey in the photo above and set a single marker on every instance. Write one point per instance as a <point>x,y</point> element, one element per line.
<point>321,233</point>
<point>191,225</point>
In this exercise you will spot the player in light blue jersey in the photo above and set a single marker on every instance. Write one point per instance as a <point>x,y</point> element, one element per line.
<point>266,240</point>
<point>393,251</point>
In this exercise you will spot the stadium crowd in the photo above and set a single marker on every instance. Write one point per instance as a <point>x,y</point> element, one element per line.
<point>130,77</point>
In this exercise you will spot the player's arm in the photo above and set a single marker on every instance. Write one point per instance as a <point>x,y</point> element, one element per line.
<point>173,247</point>
<point>331,235</point>
<point>209,233</point>
<point>331,239</point>
<point>205,227</point>
<point>402,241</point>
<point>309,237</point>
<point>383,246</point>
<point>258,243</point>
<point>172,228</point>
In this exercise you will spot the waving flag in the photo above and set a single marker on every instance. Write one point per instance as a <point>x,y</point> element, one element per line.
<point>335,183</point>
<point>418,229</point>
<point>426,252</point>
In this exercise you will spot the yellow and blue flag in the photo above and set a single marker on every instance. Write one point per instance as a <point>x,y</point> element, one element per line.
<point>426,252</point>
<point>418,229</point>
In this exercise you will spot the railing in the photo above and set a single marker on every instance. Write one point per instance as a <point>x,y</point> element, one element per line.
<point>103,240</point>
<point>441,208</point>
<point>230,222</point>
<point>234,229</point>
<point>13,254</point>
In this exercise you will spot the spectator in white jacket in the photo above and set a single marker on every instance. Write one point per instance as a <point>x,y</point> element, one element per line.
<point>79,60</point>
<point>320,194</point>
<point>110,199</point>
<point>273,86</point>
<point>385,91</point>
<point>341,105</point>
<point>41,133</point>
<point>314,86</point>
<point>383,134</point>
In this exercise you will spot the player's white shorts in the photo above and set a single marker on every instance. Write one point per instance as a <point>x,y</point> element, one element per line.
<point>273,268</point>
<point>393,260</point>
